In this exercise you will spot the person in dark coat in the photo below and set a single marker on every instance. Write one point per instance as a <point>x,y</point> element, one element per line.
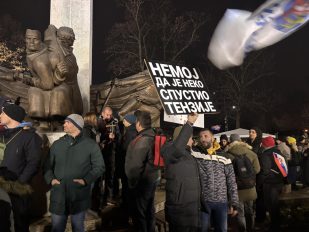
<point>74,163</point>
<point>255,139</point>
<point>130,134</point>
<point>109,141</point>
<point>20,153</point>
<point>143,176</point>
<point>183,205</point>
<point>269,185</point>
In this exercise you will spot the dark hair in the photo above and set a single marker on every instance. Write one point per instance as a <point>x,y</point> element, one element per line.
<point>143,118</point>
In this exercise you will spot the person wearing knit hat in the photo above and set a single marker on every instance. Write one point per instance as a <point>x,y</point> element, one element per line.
<point>269,183</point>
<point>14,112</point>
<point>77,120</point>
<point>268,142</point>
<point>290,140</point>
<point>20,153</point>
<point>75,162</point>
<point>130,118</point>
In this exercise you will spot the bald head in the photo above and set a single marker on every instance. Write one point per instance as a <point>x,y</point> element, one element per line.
<point>107,113</point>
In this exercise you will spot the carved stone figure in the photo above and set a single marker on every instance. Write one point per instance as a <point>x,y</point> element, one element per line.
<point>46,98</point>
<point>63,61</point>
<point>133,93</point>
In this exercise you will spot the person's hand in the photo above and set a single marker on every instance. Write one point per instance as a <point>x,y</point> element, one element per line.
<point>79,181</point>
<point>233,212</point>
<point>192,118</point>
<point>54,182</point>
<point>111,135</point>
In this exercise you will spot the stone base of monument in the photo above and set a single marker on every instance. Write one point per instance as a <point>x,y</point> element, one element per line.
<point>92,223</point>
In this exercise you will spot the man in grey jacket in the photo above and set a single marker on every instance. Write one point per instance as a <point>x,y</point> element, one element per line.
<point>219,189</point>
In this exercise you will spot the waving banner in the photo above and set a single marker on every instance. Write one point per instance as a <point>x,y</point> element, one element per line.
<point>240,32</point>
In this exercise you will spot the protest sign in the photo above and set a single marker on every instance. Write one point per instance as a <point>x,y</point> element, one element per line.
<point>181,89</point>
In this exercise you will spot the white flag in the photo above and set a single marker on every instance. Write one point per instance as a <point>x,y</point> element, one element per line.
<point>240,32</point>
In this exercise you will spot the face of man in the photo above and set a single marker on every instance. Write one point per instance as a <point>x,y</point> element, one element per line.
<point>206,139</point>
<point>252,134</point>
<point>33,41</point>
<point>107,114</point>
<point>4,119</point>
<point>69,128</point>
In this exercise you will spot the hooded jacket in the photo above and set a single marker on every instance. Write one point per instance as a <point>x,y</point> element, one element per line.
<point>183,189</point>
<point>72,158</point>
<point>22,153</point>
<point>270,173</point>
<point>241,148</point>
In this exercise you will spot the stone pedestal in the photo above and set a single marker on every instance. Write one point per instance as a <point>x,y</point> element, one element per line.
<point>77,14</point>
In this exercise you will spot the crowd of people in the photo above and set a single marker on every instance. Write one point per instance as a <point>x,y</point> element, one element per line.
<point>208,183</point>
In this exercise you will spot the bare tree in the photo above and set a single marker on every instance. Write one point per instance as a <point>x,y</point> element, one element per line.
<point>151,30</point>
<point>242,87</point>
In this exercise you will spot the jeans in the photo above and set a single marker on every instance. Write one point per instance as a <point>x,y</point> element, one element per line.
<point>218,211</point>
<point>59,222</point>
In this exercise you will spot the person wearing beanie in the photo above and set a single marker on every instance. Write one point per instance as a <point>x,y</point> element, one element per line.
<point>295,163</point>
<point>130,118</point>
<point>270,181</point>
<point>238,152</point>
<point>20,153</point>
<point>74,164</point>
<point>129,133</point>
<point>255,139</point>
<point>223,141</point>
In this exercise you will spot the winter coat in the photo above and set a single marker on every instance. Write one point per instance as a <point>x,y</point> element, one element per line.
<point>270,173</point>
<point>23,153</point>
<point>241,148</point>
<point>183,190</point>
<point>6,213</point>
<point>139,166</point>
<point>72,158</point>
<point>217,177</point>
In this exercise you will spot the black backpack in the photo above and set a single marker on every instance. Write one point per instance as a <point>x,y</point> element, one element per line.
<point>244,172</point>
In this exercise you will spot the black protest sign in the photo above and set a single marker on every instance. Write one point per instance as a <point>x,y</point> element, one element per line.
<point>181,89</point>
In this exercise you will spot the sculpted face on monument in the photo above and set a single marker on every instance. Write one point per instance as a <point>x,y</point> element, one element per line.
<point>33,40</point>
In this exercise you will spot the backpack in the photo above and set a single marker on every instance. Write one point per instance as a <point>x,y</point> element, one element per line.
<point>159,141</point>
<point>244,172</point>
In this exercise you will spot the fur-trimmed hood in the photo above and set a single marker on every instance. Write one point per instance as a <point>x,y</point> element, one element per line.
<point>237,147</point>
<point>15,187</point>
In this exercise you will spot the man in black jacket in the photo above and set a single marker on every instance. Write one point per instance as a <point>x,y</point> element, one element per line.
<point>269,185</point>
<point>183,206</point>
<point>21,149</point>
<point>142,175</point>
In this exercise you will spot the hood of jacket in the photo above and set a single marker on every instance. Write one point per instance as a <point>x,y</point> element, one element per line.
<point>237,147</point>
<point>147,132</point>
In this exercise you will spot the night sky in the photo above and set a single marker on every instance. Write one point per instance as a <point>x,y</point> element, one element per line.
<point>291,55</point>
